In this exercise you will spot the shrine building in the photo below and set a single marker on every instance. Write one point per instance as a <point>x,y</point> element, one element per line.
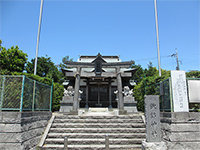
<point>98,77</point>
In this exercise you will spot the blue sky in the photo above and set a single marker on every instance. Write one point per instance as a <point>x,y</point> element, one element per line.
<point>111,27</point>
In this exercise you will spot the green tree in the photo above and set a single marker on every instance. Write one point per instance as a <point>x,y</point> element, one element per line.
<point>45,68</point>
<point>12,59</point>
<point>193,74</point>
<point>139,90</point>
<point>57,96</point>
<point>148,83</point>
<point>151,71</point>
<point>62,65</point>
<point>138,74</point>
<point>0,43</point>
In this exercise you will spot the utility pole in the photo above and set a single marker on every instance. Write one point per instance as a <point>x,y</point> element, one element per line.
<point>158,47</point>
<point>177,61</point>
<point>38,36</point>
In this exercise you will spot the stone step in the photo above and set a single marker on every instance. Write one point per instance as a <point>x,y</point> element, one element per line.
<point>98,117</point>
<point>97,130</point>
<point>126,132</point>
<point>98,125</point>
<point>96,135</point>
<point>72,141</point>
<point>91,147</point>
<point>98,120</point>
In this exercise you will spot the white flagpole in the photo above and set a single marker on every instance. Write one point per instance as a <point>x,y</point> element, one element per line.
<point>156,16</point>
<point>38,36</point>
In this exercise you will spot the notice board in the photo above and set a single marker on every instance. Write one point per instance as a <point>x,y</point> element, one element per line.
<point>179,91</point>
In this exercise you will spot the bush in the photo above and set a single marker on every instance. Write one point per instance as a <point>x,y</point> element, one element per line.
<point>57,96</point>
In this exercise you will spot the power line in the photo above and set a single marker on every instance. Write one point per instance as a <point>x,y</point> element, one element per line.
<point>151,58</point>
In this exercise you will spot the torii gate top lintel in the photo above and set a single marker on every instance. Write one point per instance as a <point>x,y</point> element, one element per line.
<point>72,64</point>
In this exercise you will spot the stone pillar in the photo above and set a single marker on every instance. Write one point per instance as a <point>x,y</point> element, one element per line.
<point>76,89</point>
<point>152,117</point>
<point>110,94</point>
<point>87,93</point>
<point>119,88</point>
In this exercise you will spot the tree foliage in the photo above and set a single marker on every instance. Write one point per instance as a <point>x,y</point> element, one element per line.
<point>12,59</point>
<point>57,96</point>
<point>138,74</point>
<point>151,71</point>
<point>62,65</point>
<point>147,81</point>
<point>45,68</point>
<point>193,74</point>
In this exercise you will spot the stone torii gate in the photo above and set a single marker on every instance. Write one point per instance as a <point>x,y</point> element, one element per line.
<point>80,73</point>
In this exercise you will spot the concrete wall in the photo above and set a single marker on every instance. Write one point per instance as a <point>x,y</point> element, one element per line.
<point>181,130</point>
<point>22,130</point>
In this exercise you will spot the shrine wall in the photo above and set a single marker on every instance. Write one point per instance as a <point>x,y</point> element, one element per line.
<point>170,130</point>
<point>181,130</point>
<point>22,130</point>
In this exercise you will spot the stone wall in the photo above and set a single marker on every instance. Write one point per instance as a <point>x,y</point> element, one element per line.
<point>181,130</point>
<point>22,130</point>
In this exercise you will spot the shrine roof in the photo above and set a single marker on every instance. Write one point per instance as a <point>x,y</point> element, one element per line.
<point>88,58</point>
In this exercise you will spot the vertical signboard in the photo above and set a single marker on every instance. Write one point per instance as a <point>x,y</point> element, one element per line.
<point>179,91</point>
<point>152,117</point>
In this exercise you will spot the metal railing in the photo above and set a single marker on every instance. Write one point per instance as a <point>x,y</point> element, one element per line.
<point>164,89</point>
<point>20,93</point>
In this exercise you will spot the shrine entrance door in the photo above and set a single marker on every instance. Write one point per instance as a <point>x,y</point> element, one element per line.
<point>98,95</point>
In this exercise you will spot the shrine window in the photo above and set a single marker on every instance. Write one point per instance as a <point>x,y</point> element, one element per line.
<point>98,68</point>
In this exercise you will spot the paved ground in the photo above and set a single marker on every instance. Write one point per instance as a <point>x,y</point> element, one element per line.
<point>98,112</point>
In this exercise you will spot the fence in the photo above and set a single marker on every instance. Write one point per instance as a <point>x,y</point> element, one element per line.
<point>21,93</point>
<point>163,89</point>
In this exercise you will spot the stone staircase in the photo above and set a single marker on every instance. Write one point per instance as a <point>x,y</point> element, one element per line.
<point>87,132</point>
